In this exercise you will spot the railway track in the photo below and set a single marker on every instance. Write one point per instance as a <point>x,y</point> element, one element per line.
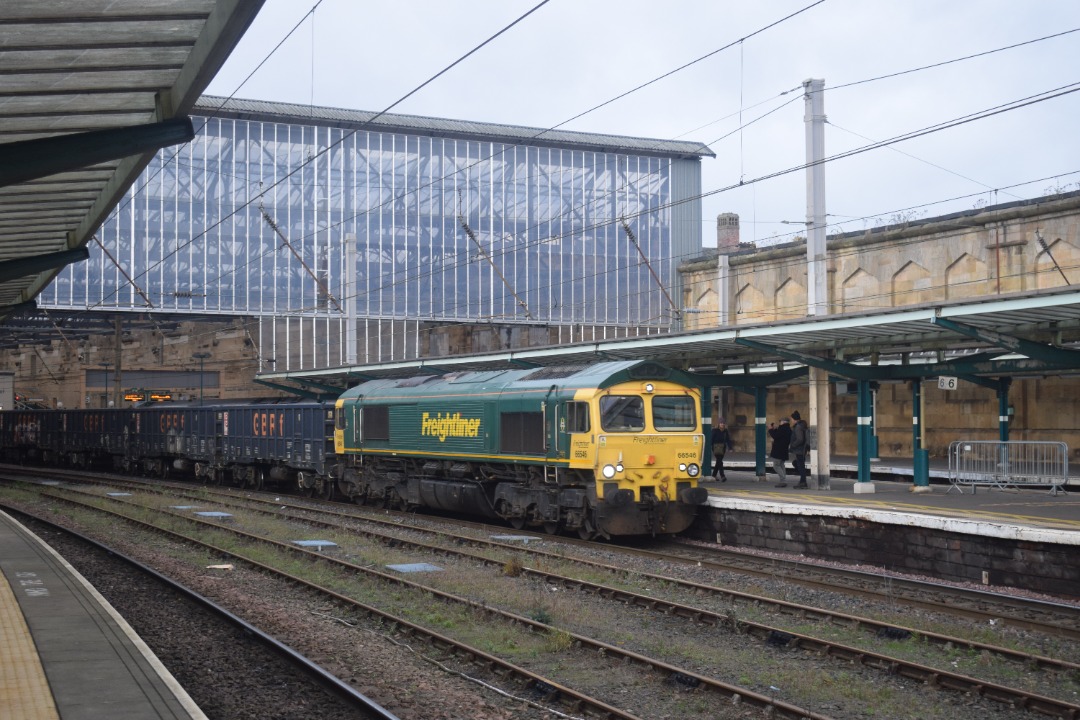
<point>207,622</point>
<point>769,635</point>
<point>572,699</point>
<point>984,606</point>
<point>451,542</point>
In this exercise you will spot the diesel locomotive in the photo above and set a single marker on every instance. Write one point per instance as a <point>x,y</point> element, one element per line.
<point>612,448</point>
<point>607,449</point>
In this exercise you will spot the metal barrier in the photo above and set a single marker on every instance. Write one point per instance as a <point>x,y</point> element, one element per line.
<point>1008,465</point>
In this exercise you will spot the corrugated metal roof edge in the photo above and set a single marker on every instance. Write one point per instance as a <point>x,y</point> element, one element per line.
<point>445,127</point>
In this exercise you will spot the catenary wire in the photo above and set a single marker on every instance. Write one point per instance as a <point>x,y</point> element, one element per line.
<point>890,75</point>
<point>1023,102</point>
<point>372,119</point>
<point>833,158</point>
<point>369,121</point>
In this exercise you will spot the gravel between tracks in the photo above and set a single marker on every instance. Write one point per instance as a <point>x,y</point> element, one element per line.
<point>231,678</point>
<point>413,687</point>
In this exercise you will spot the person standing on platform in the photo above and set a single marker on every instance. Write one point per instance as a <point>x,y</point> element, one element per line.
<point>781,442</point>
<point>799,446</point>
<point>721,443</point>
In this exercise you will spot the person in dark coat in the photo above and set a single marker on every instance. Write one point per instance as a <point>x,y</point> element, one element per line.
<point>721,443</point>
<point>781,441</point>
<point>799,447</point>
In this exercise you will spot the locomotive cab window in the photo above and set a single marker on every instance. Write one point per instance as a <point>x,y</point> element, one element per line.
<point>673,413</point>
<point>622,413</point>
<point>577,417</point>
<point>339,418</point>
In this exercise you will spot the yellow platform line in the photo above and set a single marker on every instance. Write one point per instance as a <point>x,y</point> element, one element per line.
<point>24,691</point>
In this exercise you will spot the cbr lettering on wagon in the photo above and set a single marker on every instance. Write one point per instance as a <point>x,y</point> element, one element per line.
<point>268,423</point>
<point>168,421</point>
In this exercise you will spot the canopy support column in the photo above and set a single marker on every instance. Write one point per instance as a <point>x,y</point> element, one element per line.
<point>864,484</point>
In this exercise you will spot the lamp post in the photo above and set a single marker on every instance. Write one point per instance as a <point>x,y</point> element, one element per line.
<point>201,357</point>
<point>105,397</point>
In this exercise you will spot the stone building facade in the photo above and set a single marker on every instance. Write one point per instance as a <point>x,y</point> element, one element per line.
<point>163,356</point>
<point>1021,247</point>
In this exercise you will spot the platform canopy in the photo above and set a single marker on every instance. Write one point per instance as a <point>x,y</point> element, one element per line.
<point>1024,334</point>
<point>89,92</point>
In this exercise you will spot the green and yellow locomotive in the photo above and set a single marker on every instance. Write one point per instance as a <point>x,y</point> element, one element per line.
<point>612,448</point>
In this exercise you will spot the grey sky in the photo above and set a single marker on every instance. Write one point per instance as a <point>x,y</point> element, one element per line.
<point>571,55</point>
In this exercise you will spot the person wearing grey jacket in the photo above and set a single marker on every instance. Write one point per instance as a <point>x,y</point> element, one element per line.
<point>799,447</point>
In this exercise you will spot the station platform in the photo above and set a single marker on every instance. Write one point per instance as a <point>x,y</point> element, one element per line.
<point>1022,514</point>
<point>64,652</point>
<point>1025,538</point>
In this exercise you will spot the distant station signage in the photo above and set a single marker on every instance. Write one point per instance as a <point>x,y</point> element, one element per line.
<point>143,395</point>
<point>946,383</point>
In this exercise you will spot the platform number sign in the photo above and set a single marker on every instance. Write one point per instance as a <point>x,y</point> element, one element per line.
<point>946,383</point>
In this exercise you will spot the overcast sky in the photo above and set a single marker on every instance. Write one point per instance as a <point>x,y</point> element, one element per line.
<point>571,55</point>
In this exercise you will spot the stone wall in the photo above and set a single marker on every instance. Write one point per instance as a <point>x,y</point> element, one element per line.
<point>56,374</point>
<point>976,254</point>
<point>1037,566</point>
<point>980,253</point>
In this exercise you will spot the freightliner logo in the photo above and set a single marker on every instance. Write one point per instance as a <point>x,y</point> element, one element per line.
<point>449,425</point>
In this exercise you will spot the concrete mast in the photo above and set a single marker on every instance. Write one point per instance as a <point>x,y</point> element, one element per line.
<point>817,298</point>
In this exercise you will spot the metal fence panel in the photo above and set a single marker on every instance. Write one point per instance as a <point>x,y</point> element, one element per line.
<point>1010,464</point>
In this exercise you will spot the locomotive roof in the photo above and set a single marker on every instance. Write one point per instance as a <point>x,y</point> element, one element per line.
<point>598,375</point>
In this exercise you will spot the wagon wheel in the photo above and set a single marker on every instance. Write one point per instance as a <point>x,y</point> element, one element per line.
<point>302,487</point>
<point>587,530</point>
<point>518,523</point>
<point>258,478</point>
<point>328,488</point>
<point>552,528</point>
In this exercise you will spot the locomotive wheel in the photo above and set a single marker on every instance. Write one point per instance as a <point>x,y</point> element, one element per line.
<point>587,531</point>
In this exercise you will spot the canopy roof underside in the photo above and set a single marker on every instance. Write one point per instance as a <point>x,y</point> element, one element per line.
<point>128,71</point>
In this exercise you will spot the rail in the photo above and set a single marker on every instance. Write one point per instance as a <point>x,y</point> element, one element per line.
<point>1008,464</point>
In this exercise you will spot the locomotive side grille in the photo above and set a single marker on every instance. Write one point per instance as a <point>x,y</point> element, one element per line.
<point>522,432</point>
<point>376,422</point>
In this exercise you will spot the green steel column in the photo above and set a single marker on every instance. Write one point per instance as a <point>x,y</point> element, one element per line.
<point>873,421</point>
<point>1003,408</point>
<point>920,457</point>
<point>706,430</point>
<point>864,437</point>
<point>916,414</point>
<point>761,437</point>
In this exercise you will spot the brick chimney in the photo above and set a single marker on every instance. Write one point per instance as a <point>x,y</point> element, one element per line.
<point>727,232</point>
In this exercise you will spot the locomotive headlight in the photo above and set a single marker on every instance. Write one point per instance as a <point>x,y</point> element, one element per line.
<point>693,470</point>
<point>649,387</point>
<point>619,467</point>
<point>609,471</point>
<point>682,467</point>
